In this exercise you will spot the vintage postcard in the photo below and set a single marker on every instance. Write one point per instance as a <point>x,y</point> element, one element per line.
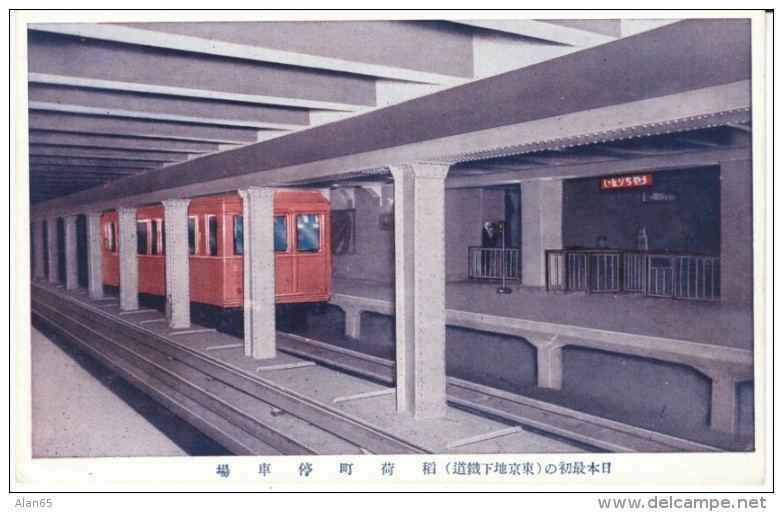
<point>268,251</point>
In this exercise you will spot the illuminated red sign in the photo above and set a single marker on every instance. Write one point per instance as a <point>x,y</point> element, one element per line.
<point>638,180</point>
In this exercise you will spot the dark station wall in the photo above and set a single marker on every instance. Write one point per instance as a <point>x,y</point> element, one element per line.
<point>680,212</point>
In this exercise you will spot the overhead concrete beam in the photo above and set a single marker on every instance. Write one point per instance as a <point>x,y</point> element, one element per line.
<point>103,163</point>
<point>212,45</point>
<point>129,114</point>
<point>154,107</point>
<point>73,123</point>
<point>120,142</point>
<point>542,30</point>
<point>148,69</point>
<point>114,154</point>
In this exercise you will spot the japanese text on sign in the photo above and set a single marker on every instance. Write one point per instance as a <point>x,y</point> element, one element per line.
<point>639,180</point>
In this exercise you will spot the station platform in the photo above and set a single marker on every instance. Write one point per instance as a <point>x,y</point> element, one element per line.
<point>80,409</point>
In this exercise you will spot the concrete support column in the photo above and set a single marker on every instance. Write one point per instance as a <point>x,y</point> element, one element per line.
<point>550,366</point>
<point>39,270</point>
<point>94,256</point>
<point>129,265</point>
<point>723,407</point>
<point>259,272</point>
<point>736,232</point>
<point>353,322</point>
<point>71,265</point>
<point>542,227</point>
<point>54,267</point>
<point>177,263</point>
<point>420,307</point>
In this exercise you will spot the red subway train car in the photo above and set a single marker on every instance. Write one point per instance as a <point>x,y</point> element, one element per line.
<point>215,241</point>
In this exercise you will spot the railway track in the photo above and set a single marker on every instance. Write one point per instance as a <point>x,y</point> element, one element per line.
<point>245,413</point>
<point>585,429</point>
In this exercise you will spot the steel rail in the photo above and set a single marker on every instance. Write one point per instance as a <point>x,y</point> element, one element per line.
<point>236,430</point>
<point>563,422</point>
<point>351,429</point>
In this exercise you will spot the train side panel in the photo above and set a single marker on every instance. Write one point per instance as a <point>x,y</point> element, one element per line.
<point>215,240</point>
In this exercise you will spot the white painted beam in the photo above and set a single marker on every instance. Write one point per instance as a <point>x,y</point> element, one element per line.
<point>95,83</point>
<point>542,30</point>
<point>157,116</point>
<point>139,36</point>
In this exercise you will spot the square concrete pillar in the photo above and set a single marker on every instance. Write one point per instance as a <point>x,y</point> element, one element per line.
<point>39,270</point>
<point>736,232</point>
<point>420,288</point>
<point>259,272</point>
<point>177,263</point>
<point>129,264</point>
<point>724,416</point>
<point>54,267</point>
<point>542,227</point>
<point>94,255</point>
<point>71,265</point>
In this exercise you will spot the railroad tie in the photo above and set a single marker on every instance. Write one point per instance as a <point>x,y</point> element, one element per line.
<point>368,394</point>
<point>153,321</point>
<point>191,331</point>
<point>225,347</point>
<point>289,366</point>
<point>484,437</point>
<point>137,311</point>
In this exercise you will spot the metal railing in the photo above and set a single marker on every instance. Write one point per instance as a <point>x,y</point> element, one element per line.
<point>493,263</point>
<point>673,275</point>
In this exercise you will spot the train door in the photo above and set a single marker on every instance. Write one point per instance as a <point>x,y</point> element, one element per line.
<point>302,257</point>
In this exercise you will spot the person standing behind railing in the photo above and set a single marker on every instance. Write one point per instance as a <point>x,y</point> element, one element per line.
<point>489,240</point>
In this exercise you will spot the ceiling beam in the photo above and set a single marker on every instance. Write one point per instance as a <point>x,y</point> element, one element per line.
<point>66,122</point>
<point>214,46</point>
<point>158,70</point>
<point>541,30</point>
<point>130,104</point>
<point>113,154</point>
<point>119,142</point>
<point>40,169</point>
<point>93,162</point>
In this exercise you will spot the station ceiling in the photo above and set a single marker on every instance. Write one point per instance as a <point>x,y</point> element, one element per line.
<point>112,100</point>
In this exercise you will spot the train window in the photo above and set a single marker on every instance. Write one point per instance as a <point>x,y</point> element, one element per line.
<point>192,235</point>
<point>155,242</point>
<point>212,231</point>
<point>308,232</point>
<point>163,236</point>
<point>141,237</point>
<point>239,235</point>
<point>111,237</point>
<point>281,234</point>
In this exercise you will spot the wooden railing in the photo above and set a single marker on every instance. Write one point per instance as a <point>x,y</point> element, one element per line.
<point>664,274</point>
